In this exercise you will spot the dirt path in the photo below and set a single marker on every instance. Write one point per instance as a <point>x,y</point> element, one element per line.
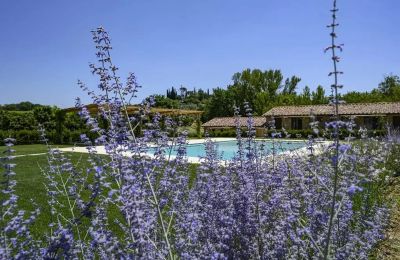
<point>390,247</point>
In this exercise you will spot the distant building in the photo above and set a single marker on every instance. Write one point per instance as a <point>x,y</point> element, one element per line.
<point>369,115</point>
<point>221,123</point>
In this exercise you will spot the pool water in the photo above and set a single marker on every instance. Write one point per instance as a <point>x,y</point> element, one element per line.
<point>228,149</point>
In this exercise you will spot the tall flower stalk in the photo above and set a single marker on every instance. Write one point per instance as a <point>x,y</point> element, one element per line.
<point>335,86</point>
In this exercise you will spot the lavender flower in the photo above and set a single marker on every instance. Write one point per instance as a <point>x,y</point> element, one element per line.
<point>141,201</point>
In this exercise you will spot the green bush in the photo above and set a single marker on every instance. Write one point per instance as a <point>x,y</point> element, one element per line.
<point>21,136</point>
<point>27,137</point>
<point>3,135</point>
<point>33,136</point>
<point>17,120</point>
<point>222,133</point>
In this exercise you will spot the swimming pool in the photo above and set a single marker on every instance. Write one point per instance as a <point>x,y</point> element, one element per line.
<point>228,149</point>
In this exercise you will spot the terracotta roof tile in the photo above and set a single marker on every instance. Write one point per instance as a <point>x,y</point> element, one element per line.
<point>344,109</point>
<point>230,122</point>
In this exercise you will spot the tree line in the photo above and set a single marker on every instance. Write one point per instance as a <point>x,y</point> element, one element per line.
<point>24,124</point>
<point>263,90</point>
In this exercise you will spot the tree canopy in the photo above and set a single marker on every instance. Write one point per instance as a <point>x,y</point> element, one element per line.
<point>263,90</point>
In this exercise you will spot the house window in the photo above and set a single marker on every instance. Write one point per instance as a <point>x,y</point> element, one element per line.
<point>320,119</point>
<point>396,122</point>
<point>371,122</point>
<point>278,123</point>
<point>297,123</point>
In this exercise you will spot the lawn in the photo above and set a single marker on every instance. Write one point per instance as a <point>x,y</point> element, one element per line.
<point>31,181</point>
<point>390,247</point>
<point>30,148</point>
<point>30,184</point>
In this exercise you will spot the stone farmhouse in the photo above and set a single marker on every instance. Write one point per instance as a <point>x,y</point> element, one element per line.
<point>372,116</point>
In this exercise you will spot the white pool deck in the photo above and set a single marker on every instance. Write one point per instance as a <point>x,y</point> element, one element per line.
<point>318,147</point>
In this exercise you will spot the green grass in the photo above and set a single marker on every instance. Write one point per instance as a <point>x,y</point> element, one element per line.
<point>32,193</point>
<point>31,189</point>
<point>389,248</point>
<point>30,149</point>
<point>18,111</point>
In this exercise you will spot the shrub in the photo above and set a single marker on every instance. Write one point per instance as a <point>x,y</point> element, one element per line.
<point>22,136</point>
<point>27,136</point>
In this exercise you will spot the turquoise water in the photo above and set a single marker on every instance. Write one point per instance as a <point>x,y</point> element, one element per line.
<point>228,149</point>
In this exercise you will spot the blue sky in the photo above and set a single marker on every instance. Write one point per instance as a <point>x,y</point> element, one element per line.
<point>45,46</point>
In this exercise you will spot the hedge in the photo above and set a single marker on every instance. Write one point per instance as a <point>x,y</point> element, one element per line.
<point>33,136</point>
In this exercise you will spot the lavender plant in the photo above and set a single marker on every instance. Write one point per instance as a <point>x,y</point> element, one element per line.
<point>336,126</point>
<point>16,240</point>
<point>139,201</point>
